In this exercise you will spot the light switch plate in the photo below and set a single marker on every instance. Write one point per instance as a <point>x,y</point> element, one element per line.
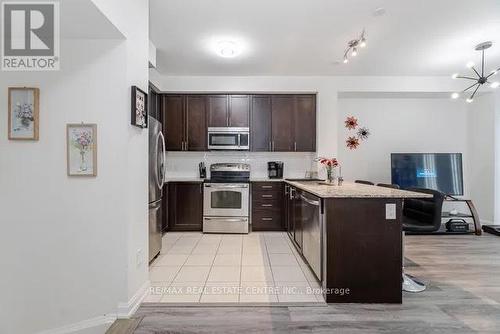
<point>390,211</point>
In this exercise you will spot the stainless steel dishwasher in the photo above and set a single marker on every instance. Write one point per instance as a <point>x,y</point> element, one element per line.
<point>312,220</point>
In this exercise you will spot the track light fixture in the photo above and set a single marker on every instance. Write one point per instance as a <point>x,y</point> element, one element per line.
<point>479,77</point>
<point>353,47</point>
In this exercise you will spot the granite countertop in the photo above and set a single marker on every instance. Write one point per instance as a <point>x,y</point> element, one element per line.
<point>354,190</point>
<point>265,179</point>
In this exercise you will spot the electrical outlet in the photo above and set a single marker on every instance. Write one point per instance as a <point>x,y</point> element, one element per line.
<point>139,260</point>
<point>390,211</point>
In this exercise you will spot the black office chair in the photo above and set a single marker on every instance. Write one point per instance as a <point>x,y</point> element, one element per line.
<point>365,182</point>
<point>386,185</point>
<point>421,215</point>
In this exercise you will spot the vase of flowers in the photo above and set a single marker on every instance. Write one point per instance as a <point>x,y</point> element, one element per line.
<point>25,114</point>
<point>330,165</point>
<point>82,140</point>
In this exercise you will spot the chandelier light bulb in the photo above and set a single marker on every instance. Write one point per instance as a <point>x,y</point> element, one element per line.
<point>363,43</point>
<point>354,52</point>
<point>455,95</point>
<point>470,64</point>
<point>454,76</point>
<point>495,84</point>
<point>346,60</point>
<point>469,100</point>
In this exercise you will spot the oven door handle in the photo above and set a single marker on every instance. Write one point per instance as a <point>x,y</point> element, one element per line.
<point>228,219</point>
<point>226,187</point>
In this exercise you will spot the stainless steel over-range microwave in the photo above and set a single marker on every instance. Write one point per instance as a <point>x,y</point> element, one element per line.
<point>225,138</point>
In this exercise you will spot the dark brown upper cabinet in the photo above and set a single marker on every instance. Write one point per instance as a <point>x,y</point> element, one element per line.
<point>228,110</point>
<point>173,122</point>
<point>282,115</point>
<point>293,123</point>
<point>217,110</point>
<point>279,123</point>
<point>260,127</point>
<point>305,123</point>
<point>239,111</point>
<point>196,123</point>
<point>185,122</point>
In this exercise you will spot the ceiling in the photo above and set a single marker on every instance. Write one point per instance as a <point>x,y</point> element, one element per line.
<point>308,37</point>
<point>75,17</point>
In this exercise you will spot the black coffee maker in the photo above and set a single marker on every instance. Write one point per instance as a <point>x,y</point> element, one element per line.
<point>275,169</point>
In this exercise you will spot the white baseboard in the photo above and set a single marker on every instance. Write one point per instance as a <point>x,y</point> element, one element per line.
<point>126,310</point>
<point>93,325</point>
<point>99,325</point>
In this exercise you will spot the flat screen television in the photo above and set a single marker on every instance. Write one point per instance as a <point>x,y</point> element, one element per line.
<point>438,171</point>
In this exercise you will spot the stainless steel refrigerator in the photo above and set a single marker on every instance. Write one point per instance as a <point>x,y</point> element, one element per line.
<point>156,178</point>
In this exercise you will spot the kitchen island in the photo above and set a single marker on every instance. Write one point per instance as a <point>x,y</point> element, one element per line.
<point>350,236</point>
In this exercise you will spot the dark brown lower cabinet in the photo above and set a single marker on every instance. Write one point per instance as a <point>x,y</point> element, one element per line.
<point>363,251</point>
<point>267,206</point>
<point>185,206</point>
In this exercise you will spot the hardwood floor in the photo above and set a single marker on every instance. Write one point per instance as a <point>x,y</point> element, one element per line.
<point>463,296</point>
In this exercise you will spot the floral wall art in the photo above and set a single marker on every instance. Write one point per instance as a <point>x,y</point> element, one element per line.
<point>82,149</point>
<point>139,108</point>
<point>23,113</point>
<point>360,133</point>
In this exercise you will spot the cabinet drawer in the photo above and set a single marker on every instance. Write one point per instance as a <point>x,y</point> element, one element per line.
<point>267,196</point>
<point>267,221</point>
<point>265,205</point>
<point>267,187</point>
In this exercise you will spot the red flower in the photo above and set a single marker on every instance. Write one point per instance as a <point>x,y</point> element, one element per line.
<point>333,162</point>
<point>351,122</point>
<point>352,143</point>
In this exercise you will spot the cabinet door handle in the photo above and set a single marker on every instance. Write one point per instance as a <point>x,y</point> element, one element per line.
<point>267,196</point>
<point>272,146</point>
<point>266,187</point>
<point>295,146</point>
<point>266,205</point>
<point>267,219</point>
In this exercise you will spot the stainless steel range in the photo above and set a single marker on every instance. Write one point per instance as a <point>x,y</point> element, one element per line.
<point>226,199</point>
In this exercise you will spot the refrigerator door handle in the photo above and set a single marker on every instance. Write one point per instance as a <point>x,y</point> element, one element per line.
<point>163,161</point>
<point>157,171</point>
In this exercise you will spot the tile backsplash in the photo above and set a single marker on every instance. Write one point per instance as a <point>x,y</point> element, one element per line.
<point>185,164</point>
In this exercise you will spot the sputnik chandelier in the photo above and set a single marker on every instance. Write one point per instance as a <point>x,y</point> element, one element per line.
<point>478,77</point>
<point>353,46</point>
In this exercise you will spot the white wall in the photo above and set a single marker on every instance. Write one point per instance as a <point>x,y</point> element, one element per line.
<point>69,245</point>
<point>497,157</point>
<point>481,148</point>
<point>399,125</point>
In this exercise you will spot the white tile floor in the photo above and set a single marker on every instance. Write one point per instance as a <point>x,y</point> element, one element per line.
<point>260,267</point>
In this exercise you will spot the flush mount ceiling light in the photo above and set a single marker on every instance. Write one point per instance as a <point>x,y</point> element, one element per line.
<point>228,49</point>
<point>479,77</point>
<point>353,47</point>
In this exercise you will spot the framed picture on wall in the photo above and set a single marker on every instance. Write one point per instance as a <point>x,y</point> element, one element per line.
<point>81,141</point>
<point>139,108</point>
<point>23,110</point>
